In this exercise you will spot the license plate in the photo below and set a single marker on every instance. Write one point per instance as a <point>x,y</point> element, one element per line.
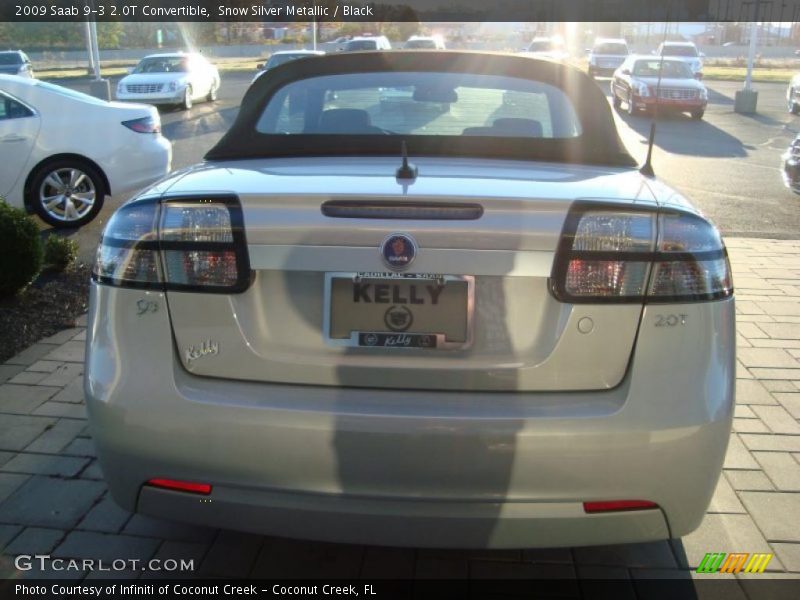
<point>390,310</point>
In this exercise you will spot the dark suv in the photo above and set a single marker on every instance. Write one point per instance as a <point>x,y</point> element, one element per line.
<point>15,62</point>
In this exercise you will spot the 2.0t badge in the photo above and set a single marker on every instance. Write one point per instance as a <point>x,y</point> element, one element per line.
<point>398,251</point>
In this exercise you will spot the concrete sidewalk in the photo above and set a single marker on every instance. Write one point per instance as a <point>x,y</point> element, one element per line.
<point>53,499</point>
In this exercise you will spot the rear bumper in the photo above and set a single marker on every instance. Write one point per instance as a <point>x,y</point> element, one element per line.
<point>414,468</point>
<point>602,71</point>
<point>404,522</point>
<point>147,158</point>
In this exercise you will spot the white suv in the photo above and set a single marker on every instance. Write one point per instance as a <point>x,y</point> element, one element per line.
<point>685,52</point>
<point>607,55</point>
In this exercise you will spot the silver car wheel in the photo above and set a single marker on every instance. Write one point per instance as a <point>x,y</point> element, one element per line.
<point>67,194</point>
<point>187,98</point>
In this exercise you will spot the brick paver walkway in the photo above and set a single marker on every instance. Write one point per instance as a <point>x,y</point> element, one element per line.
<point>53,499</point>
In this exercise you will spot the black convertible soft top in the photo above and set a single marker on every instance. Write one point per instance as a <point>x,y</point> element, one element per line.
<point>597,144</point>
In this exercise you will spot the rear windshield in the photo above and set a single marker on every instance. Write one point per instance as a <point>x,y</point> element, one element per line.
<point>10,58</point>
<point>164,64</point>
<point>361,45</point>
<point>421,44</point>
<point>279,59</point>
<point>543,46</point>
<point>615,49</point>
<point>420,103</point>
<point>679,51</point>
<point>672,69</point>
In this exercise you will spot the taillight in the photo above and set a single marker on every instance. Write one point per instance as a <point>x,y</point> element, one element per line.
<point>144,125</point>
<point>611,253</point>
<point>128,252</point>
<point>617,506</point>
<point>181,486</point>
<point>177,244</point>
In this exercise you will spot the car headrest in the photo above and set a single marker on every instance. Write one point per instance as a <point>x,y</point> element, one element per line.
<point>517,126</point>
<point>508,127</point>
<point>344,120</point>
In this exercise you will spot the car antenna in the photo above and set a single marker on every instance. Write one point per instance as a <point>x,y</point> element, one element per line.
<point>406,170</point>
<point>647,168</point>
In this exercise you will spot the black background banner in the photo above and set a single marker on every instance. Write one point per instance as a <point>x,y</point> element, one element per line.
<point>400,10</point>
<point>681,588</point>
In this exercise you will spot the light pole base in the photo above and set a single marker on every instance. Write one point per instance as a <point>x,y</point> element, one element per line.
<point>100,88</point>
<point>745,102</point>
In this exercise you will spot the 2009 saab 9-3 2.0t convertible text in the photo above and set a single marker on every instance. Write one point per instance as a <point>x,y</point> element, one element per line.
<point>479,327</point>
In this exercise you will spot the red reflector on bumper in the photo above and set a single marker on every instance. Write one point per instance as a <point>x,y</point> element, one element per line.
<point>181,486</point>
<point>617,505</point>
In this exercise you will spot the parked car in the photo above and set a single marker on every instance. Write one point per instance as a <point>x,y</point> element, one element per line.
<point>64,151</point>
<point>552,48</point>
<point>686,52</point>
<point>793,95</point>
<point>606,56</point>
<point>636,83</point>
<point>791,166</point>
<point>177,78</point>
<point>486,328</point>
<point>425,42</point>
<point>285,56</point>
<point>375,42</point>
<point>16,62</point>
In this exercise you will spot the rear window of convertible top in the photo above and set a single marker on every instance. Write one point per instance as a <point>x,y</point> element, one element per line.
<point>420,103</point>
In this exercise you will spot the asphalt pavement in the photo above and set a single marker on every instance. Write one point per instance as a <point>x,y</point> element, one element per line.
<point>728,164</point>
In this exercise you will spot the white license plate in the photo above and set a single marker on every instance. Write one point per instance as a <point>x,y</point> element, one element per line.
<point>391,310</point>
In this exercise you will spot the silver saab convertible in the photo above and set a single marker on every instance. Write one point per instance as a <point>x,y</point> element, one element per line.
<point>480,327</point>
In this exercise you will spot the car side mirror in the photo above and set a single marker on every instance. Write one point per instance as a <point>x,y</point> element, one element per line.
<point>129,70</point>
<point>626,71</point>
<point>702,55</point>
<point>260,66</point>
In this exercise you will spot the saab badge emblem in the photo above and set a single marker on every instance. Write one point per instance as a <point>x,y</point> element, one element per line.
<point>398,251</point>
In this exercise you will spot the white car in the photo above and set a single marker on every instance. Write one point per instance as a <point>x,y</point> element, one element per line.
<point>16,62</point>
<point>551,48</point>
<point>425,42</point>
<point>285,56</point>
<point>177,79</point>
<point>793,95</point>
<point>480,328</point>
<point>685,52</point>
<point>63,151</point>
<point>372,42</point>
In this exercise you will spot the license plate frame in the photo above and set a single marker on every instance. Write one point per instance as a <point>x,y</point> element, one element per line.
<point>416,340</point>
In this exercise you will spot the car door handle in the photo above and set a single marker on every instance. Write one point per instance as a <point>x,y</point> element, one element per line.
<point>13,138</point>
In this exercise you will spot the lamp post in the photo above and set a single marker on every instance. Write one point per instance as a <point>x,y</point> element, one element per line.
<point>746,99</point>
<point>98,87</point>
<point>92,68</point>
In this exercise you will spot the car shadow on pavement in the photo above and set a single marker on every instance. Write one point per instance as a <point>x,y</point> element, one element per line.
<point>678,133</point>
<point>766,120</point>
<point>715,97</point>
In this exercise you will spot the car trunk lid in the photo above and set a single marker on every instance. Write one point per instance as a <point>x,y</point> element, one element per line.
<point>320,282</point>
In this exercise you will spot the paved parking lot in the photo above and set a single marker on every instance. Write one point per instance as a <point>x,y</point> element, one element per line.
<point>728,164</point>
<point>53,499</point>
